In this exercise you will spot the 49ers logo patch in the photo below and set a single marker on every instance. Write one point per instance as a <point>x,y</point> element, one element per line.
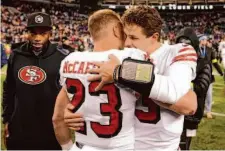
<point>32,75</point>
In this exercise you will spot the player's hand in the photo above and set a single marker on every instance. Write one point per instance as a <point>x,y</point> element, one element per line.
<point>105,71</point>
<point>6,132</point>
<point>73,121</point>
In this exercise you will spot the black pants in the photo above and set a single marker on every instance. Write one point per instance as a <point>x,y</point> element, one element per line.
<point>185,141</point>
<point>13,144</point>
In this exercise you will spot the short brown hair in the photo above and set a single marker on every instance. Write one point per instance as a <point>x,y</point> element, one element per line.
<point>101,18</point>
<point>145,17</point>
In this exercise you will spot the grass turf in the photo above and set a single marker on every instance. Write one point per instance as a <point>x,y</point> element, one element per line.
<point>211,132</point>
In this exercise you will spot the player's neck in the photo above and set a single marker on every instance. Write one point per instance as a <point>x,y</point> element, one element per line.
<point>154,47</point>
<point>103,46</point>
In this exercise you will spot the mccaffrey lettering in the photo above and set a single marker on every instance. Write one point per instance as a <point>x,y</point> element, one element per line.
<point>77,67</point>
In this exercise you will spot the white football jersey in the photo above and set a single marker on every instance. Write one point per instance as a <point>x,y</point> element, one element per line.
<point>108,113</point>
<point>157,128</point>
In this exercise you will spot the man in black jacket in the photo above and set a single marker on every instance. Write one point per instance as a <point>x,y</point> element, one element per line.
<point>31,88</point>
<point>207,52</point>
<point>200,86</point>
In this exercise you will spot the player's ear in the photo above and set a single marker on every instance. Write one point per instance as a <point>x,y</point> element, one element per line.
<point>116,31</point>
<point>119,32</point>
<point>156,36</point>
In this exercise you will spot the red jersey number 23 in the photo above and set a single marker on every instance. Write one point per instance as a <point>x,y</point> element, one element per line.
<point>110,109</point>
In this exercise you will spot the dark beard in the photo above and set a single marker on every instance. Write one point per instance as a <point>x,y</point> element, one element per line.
<point>41,50</point>
<point>37,49</point>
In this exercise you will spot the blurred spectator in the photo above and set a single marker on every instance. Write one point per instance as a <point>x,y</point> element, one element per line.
<point>222,52</point>
<point>206,51</point>
<point>3,56</point>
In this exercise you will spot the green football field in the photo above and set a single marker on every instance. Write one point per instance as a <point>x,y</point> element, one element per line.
<point>211,132</point>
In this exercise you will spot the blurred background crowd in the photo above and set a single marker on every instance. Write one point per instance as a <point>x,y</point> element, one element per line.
<point>70,18</point>
<point>70,25</point>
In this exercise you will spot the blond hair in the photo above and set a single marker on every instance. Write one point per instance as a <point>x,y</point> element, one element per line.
<point>100,19</point>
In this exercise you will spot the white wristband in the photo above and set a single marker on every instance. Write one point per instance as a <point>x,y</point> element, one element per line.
<point>67,146</point>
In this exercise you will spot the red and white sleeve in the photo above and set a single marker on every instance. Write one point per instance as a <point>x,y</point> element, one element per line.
<point>176,81</point>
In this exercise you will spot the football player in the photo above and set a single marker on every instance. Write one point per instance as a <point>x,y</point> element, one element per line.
<point>156,128</point>
<point>108,113</point>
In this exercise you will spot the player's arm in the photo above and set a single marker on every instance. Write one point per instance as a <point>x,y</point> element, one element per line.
<point>62,133</point>
<point>186,105</point>
<point>177,88</point>
<point>106,69</point>
<point>168,90</point>
<point>73,120</point>
<point>139,76</point>
<point>200,84</point>
<point>171,91</point>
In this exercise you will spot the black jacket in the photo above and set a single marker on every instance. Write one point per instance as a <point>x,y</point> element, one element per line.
<point>200,83</point>
<point>30,91</point>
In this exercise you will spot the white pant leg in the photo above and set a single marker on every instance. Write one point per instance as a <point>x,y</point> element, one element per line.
<point>208,100</point>
<point>223,60</point>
